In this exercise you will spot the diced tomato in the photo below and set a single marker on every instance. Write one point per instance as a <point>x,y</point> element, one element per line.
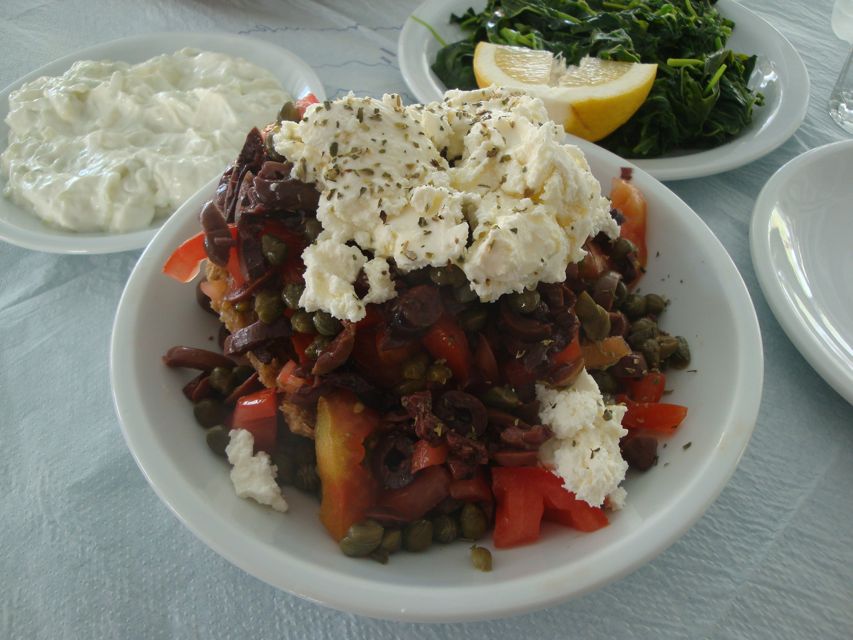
<point>425,455</point>
<point>475,489</point>
<point>446,341</point>
<point>372,318</point>
<point>393,358</point>
<point>300,342</point>
<point>526,494</point>
<point>343,423</point>
<point>287,380</point>
<point>519,511</point>
<point>234,269</point>
<point>655,416</point>
<point>594,263</point>
<point>184,263</point>
<point>569,353</point>
<point>256,413</point>
<point>430,486</point>
<point>304,102</point>
<point>630,201</point>
<point>649,388</point>
<point>484,360</point>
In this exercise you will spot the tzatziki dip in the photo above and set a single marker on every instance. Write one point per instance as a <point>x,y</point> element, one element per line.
<point>112,147</point>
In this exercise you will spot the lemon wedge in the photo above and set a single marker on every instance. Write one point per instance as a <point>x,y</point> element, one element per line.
<point>591,99</point>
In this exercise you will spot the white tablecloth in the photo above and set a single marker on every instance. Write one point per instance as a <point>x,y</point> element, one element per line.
<point>88,551</point>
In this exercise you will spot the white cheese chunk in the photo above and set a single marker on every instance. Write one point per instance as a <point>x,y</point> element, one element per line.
<point>253,476</point>
<point>481,179</point>
<point>584,451</point>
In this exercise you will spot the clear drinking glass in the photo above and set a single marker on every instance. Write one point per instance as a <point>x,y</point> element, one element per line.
<point>841,98</point>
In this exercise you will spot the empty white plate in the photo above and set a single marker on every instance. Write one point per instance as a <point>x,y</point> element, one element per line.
<point>800,242</point>
<point>24,229</point>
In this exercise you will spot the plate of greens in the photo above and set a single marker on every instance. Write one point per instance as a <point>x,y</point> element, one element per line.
<point>729,88</point>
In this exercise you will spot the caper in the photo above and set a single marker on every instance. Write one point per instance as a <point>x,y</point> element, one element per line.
<point>209,412</point>
<point>327,324</point>
<point>269,145</point>
<point>361,539</point>
<point>524,302</point>
<point>438,372</point>
<point>313,350</point>
<point>621,293</point>
<point>681,358</point>
<point>481,558</point>
<point>655,304</point>
<point>302,322</point>
<point>444,529</point>
<point>242,306</point>
<point>289,112</point>
<point>380,555</point>
<point>622,247</point>
<point>501,397</point>
<point>392,541</point>
<point>668,346</point>
<point>449,276</point>
<point>417,536</point>
<point>217,439</point>
<point>651,352</point>
<point>312,228</point>
<point>474,319</point>
<point>274,250</point>
<point>268,306</point>
<point>410,386</point>
<point>286,467</point>
<point>222,379</point>
<point>606,382</point>
<point>642,330</point>
<point>415,368</point>
<point>291,293</point>
<point>241,373</point>
<point>594,318</point>
<point>473,521</point>
<point>634,306</point>
<point>306,478</point>
<point>464,293</point>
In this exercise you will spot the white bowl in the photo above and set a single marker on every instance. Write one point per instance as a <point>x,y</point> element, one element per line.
<point>780,75</point>
<point>710,306</point>
<point>25,229</point>
<point>800,245</point>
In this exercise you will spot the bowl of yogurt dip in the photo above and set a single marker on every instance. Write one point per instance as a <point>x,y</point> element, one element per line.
<point>101,146</point>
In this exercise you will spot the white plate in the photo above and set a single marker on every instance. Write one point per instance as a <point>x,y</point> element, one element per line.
<point>710,306</point>
<point>26,230</point>
<point>780,75</point>
<point>800,243</point>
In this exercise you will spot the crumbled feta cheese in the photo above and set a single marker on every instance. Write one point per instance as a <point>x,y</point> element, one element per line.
<point>481,179</point>
<point>584,451</point>
<point>253,476</point>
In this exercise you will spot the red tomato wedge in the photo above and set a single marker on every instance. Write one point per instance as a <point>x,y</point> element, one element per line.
<point>655,416</point>
<point>184,263</point>
<point>569,353</point>
<point>527,494</point>
<point>343,423</point>
<point>631,202</point>
<point>446,341</point>
<point>304,102</point>
<point>425,455</point>
<point>256,413</point>
<point>649,388</point>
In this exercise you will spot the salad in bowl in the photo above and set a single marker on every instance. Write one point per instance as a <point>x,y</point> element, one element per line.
<point>434,327</point>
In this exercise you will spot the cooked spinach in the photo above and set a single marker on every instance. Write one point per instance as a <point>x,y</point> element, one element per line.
<point>700,97</point>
